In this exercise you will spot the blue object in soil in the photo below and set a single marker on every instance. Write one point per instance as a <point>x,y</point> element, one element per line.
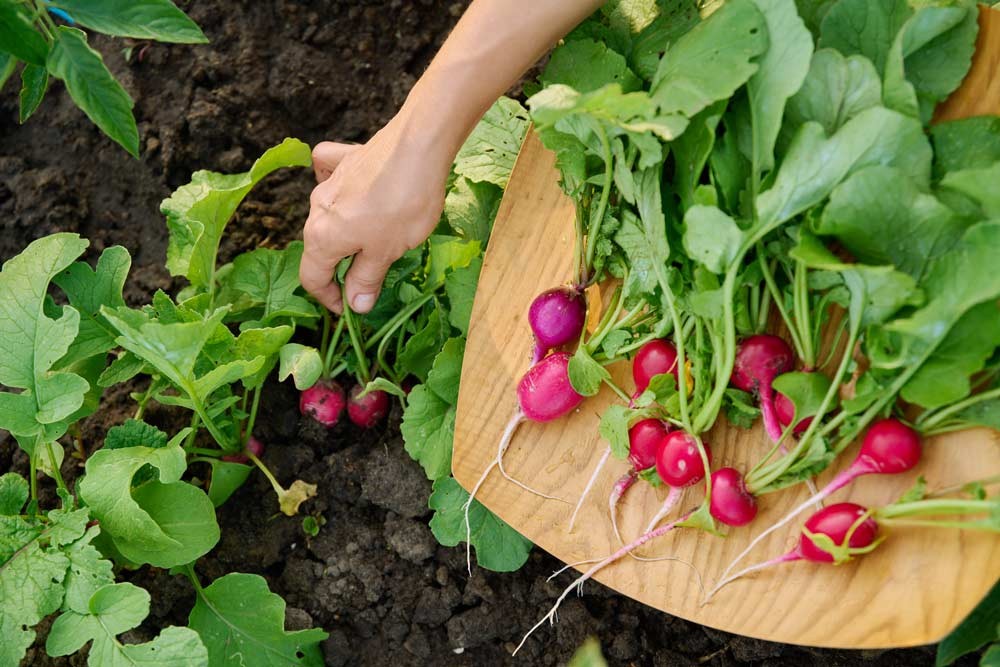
<point>58,13</point>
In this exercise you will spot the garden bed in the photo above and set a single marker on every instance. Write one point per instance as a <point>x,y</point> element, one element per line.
<point>374,577</point>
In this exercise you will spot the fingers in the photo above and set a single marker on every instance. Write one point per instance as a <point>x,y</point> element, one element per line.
<point>364,280</point>
<point>316,276</point>
<point>327,155</point>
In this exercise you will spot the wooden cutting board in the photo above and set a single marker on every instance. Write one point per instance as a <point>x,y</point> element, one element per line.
<point>912,590</point>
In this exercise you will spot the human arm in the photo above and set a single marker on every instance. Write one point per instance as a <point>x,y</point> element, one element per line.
<point>374,201</point>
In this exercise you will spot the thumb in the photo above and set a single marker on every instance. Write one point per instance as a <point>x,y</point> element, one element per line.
<point>326,155</point>
<point>364,281</point>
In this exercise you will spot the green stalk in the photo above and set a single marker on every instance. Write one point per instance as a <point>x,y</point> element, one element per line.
<point>359,348</point>
<point>210,424</point>
<point>779,301</point>
<point>56,472</point>
<point>252,420</point>
<point>201,451</point>
<point>278,488</point>
<point>930,419</point>
<point>602,205</point>
<point>800,291</point>
<point>332,347</point>
<point>398,320</point>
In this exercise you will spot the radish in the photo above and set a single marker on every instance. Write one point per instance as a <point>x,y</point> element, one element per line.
<point>846,524</point>
<point>784,410</point>
<point>368,410</point>
<point>760,359</point>
<point>679,465</point>
<point>890,447</point>
<point>544,393</point>
<point>324,402</point>
<point>254,446</point>
<point>731,503</point>
<point>556,318</point>
<point>654,358</point>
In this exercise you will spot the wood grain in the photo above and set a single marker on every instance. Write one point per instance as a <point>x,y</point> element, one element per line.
<point>912,590</point>
<point>979,93</point>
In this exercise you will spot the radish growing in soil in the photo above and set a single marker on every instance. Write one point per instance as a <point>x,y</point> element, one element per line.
<point>544,393</point>
<point>368,410</point>
<point>656,357</point>
<point>253,446</point>
<point>324,402</point>
<point>760,359</point>
<point>889,447</point>
<point>847,525</point>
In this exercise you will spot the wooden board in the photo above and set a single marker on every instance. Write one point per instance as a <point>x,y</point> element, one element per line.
<point>912,590</point>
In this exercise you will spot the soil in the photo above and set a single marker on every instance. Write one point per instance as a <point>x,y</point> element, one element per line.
<point>374,577</point>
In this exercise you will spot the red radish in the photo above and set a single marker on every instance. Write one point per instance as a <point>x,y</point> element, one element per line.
<point>678,462</point>
<point>654,358</point>
<point>543,394</point>
<point>784,409</point>
<point>844,523</point>
<point>254,446</point>
<point>679,465</point>
<point>759,360</point>
<point>368,410</point>
<point>890,447</point>
<point>731,503</point>
<point>556,317</point>
<point>324,402</point>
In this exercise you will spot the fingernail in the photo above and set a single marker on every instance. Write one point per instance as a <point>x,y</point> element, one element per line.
<point>363,302</point>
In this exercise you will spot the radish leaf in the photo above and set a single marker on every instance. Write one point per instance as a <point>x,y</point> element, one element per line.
<point>836,90</point>
<point>240,620</point>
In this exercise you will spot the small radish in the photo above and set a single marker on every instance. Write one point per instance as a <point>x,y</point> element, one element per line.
<point>844,523</point>
<point>543,394</point>
<point>679,465</point>
<point>324,402</point>
<point>889,447</point>
<point>731,503</point>
<point>254,446</point>
<point>760,359</point>
<point>556,317</point>
<point>368,410</point>
<point>784,409</point>
<point>654,358</point>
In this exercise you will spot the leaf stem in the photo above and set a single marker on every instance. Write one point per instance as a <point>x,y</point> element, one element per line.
<point>594,233</point>
<point>359,348</point>
<point>332,347</point>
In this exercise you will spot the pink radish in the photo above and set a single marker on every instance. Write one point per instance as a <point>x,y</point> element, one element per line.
<point>654,358</point>
<point>324,402</point>
<point>254,446</point>
<point>890,447</point>
<point>543,394</point>
<point>844,523</point>
<point>556,318</point>
<point>368,410</point>
<point>731,503</point>
<point>760,359</point>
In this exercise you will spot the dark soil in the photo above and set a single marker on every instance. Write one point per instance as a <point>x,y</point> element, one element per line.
<point>374,577</point>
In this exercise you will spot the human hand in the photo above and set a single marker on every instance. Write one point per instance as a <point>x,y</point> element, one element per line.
<point>374,201</point>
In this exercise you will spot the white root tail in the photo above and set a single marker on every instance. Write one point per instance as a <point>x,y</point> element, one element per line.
<point>508,435</point>
<point>784,558</point>
<point>590,485</point>
<point>578,583</point>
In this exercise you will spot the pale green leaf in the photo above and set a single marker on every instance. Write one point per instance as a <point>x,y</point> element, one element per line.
<point>711,237</point>
<point>470,208</point>
<point>460,286</point>
<point>488,154</point>
<point>302,362</point>
<point>836,90</point>
<point>428,430</point>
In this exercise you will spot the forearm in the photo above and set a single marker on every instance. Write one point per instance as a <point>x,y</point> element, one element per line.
<point>494,43</point>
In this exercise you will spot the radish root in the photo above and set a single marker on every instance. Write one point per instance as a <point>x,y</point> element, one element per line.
<point>587,489</point>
